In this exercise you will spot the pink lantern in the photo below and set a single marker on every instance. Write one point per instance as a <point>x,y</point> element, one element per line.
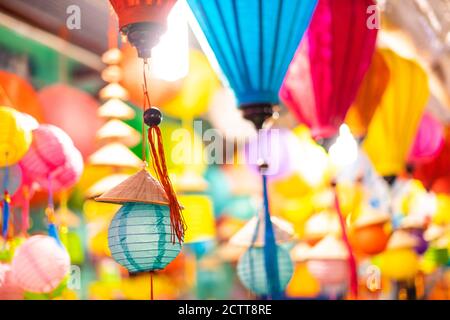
<point>329,272</point>
<point>75,112</point>
<point>330,64</point>
<point>52,161</point>
<point>9,287</point>
<point>429,140</point>
<point>39,265</point>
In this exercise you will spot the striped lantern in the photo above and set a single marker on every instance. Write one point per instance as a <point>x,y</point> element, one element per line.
<point>40,264</point>
<point>252,273</point>
<point>9,288</point>
<point>53,156</point>
<point>140,237</point>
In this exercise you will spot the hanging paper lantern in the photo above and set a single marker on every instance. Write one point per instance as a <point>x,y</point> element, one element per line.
<point>253,42</point>
<point>53,161</point>
<point>143,22</point>
<point>330,65</point>
<point>369,96</point>
<point>429,140</point>
<point>252,272</point>
<point>9,287</point>
<point>197,89</point>
<point>20,95</point>
<point>15,138</point>
<point>67,108</point>
<point>327,262</point>
<point>40,264</point>
<point>395,123</point>
<point>369,234</point>
<point>140,238</point>
<point>399,261</point>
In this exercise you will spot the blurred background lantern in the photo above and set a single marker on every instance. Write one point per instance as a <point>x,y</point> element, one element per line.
<point>369,96</point>
<point>429,140</point>
<point>10,181</point>
<point>49,265</point>
<point>67,107</point>
<point>320,85</point>
<point>253,275</point>
<point>9,287</point>
<point>395,123</point>
<point>17,93</point>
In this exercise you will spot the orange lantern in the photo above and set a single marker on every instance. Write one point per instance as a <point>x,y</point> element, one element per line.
<point>143,21</point>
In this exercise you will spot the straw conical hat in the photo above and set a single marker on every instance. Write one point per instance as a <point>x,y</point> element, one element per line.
<point>282,229</point>
<point>322,224</point>
<point>116,108</point>
<point>413,222</point>
<point>115,155</point>
<point>105,184</point>
<point>401,240</point>
<point>140,187</point>
<point>300,252</point>
<point>113,90</point>
<point>329,248</point>
<point>371,217</point>
<point>190,182</point>
<point>118,131</point>
<point>112,74</point>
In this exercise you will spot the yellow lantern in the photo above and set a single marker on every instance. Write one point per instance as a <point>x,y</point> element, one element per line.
<point>395,123</point>
<point>442,214</point>
<point>15,137</point>
<point>199,217</point>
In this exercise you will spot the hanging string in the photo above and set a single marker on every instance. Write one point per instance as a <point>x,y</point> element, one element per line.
<point>178,225</point>
<point>351,256</point>
<point>50,212</point>
<point>6,203</point>
<point>270,246</point>
<point>25,210</point>
<point>151,285</point>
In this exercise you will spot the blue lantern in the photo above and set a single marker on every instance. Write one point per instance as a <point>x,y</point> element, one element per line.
<point>252,272</point>
<point>254,41</point>
<point>140,237</point>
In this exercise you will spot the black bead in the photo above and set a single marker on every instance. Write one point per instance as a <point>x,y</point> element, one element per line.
<point>152,117</point>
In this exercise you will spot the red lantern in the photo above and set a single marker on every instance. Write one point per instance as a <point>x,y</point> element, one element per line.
<point>143,21</point>
<point>324,77</point>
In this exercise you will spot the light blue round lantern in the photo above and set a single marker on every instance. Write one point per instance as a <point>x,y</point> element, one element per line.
<point>140,237</point>
<point>252,272</point>
<point>10,179</point>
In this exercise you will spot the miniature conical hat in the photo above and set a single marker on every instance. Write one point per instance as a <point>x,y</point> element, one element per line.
<point>322,224</point>
<point>190,182</point>
<point>413,222</point>
<point>370,217</point>
<point>140,187</point>
<point>282,229</point>
<point>112,74</point>
<point>113,90</point>
<point>401,240</point>
<point>115,155</point>
<point>112,56</point>
<point>329,248</point>
<point>116,108</point>
<point>105,184</point>
<point>300,252</point>
<point>118,131</point>
<point>433,232</point>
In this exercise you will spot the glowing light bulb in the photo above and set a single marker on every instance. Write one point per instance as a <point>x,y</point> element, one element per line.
<point>170,58</point>
<point>344,152</point>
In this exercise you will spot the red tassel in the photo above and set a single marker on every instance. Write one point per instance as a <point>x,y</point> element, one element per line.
<point>159,164</point>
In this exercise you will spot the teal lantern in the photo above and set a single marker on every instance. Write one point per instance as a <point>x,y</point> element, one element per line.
<point>140,237</point>
<point>252,272</point>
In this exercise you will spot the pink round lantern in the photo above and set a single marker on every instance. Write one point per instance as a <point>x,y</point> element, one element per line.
<point>429,140</point>
<point>75,112</point>
<point>329,272</point>
<point>9,287</point>
<point>40,264</point>
<point>52,160</point>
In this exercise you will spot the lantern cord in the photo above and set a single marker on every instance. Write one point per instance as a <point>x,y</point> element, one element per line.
<point>146,104</point>
<point>25,210</point>
<point>351,256</point>
<point>178,225</point>
<point>151,285</point>
<point>6,203</point>
<point>50,212</point>
<point>270,247</point>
